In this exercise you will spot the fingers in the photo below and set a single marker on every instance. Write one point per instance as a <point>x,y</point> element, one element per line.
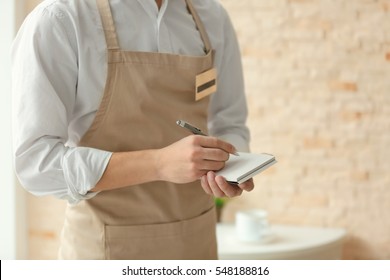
<point>209,153</point>
<point>215,154</point>
<point>218,187</point>
<point>247,185</point>
<point>205,185</point>
<point>209,185</point>
<point>229,189</point>
<point>208,165</point>
<point>214,143</point>
<point>191,157</point>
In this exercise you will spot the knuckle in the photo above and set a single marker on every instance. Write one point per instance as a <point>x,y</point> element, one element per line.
<point>228,191</point>
<point>214,141</point>
<point>236,191</point>
<point>236,194</point>
<point>221,154</point>
<point>191,140</point>
<point>230,194</point>
<point>194,154</point>
<point>195,140</point>
<point>218,142</point>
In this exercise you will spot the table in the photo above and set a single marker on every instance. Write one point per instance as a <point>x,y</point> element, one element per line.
<point>285,242</point>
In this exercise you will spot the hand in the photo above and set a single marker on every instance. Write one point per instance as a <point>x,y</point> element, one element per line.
<point>192,157</point>
<point>219,187</point>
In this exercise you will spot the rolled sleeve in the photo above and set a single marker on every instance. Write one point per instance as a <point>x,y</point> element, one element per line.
<point>83,168</point>
<point>44,82</point>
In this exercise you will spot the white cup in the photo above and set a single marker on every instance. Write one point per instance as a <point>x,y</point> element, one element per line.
<point>251,225</point>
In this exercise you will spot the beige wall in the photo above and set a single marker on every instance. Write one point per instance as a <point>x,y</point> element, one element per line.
<point>317,79</point>
<point>30,4</point>
<point>318,86</point>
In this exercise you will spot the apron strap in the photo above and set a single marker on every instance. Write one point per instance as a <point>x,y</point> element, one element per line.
<point>111,35</point>
<point>200,26</point>
<point>108,24</point>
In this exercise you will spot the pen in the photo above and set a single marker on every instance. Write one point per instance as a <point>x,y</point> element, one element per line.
<point>194,130</point>
<point>190,127</point>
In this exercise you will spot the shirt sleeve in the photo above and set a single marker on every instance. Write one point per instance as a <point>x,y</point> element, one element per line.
<point>44,82</point>
<point>228,111</point>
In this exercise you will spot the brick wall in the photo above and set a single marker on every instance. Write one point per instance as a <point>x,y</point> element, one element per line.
<point>318,88</point>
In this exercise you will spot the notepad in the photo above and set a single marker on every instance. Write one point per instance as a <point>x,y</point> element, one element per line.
<point>239,169</point>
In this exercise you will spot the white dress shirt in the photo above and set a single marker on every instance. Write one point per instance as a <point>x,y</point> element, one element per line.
<point>59,72</point>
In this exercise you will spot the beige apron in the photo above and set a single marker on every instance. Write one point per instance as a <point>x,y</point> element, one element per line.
<point>145,94</point>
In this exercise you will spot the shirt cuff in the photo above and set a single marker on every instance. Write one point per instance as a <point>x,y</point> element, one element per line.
<point>83,167</point>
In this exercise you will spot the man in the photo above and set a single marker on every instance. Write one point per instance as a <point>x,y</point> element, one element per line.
<point>97,90</point>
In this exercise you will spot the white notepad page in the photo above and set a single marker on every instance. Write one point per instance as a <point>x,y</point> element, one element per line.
<point>239,169</point>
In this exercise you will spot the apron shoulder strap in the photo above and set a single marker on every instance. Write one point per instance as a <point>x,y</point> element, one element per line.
<point>108,24</point>
<point>110,31</point>
<point>200,26</point>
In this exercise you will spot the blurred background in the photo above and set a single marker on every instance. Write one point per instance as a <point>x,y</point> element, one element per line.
<point>317,78</point>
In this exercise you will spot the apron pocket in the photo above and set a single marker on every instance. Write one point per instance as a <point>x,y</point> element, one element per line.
<point>188,239</point>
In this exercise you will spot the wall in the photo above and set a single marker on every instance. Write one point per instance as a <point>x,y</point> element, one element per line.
<point>13,235</point>
<point>317,78</point>
<point>318,93</point>
<point>30,4</point>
